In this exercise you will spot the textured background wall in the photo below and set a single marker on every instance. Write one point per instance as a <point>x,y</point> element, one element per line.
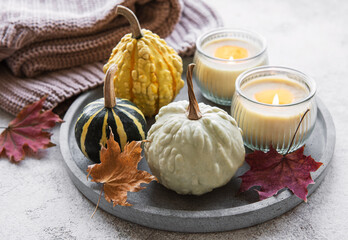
<point>38,200</point>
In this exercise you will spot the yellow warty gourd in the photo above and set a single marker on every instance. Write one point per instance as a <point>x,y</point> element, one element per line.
<point>149,71</point>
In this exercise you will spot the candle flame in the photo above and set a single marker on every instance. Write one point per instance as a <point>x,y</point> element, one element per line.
<point>231,52</point>
<point>275,99</point>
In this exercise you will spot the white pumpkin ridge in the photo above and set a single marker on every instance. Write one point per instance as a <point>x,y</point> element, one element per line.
<point>194,156</point>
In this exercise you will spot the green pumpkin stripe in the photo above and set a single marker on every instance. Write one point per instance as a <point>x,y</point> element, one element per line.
<point>92,104</point>
<point>78,129</point>
<point>132,131</point>
<point>134,122</point>
<point>112,123</point>
<point>120,132</point>
<point>93,107</point>
<point>134,111</point>
<point>134,128</point>
<point>133,107</point>
<point>78,126</point>
<point>94,134</point>
<point>85,115</point>
<point>105,129</point>
<point>85,131</point>
<point>97,102</point>
<point>124,101</point>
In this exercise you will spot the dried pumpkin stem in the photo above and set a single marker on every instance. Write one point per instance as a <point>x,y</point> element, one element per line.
<point>193,112</point>
<point>109,90</point>
<point>298,126</point>
<point>132,19</point>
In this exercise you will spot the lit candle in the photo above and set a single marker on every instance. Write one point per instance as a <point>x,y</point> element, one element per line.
<point>221,56</point>
<point>268,105</point>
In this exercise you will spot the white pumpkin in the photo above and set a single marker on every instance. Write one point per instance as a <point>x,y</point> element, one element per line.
<point>194,156</point>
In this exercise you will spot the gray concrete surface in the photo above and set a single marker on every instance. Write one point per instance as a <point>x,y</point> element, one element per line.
<point>38,200</point>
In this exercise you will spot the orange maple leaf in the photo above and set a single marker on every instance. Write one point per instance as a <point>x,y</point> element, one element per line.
<point>118,171</point>
<point>26,131</point>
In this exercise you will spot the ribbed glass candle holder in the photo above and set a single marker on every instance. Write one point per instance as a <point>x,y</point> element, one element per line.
<point>265,124</point>
<point>216,76</point>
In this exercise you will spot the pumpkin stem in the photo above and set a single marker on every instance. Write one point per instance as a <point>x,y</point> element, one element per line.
<point>193,112</point>
<point>109,90</point>
<point>132,19</point>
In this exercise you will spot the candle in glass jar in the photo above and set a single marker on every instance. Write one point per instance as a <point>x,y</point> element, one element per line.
<point>221,57</point>
<point>275,91</point>
<point>268,108</point>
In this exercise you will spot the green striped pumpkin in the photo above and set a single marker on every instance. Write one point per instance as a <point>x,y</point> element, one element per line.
<point>92,127</point>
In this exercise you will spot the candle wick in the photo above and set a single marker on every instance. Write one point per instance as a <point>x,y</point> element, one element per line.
<point>298,126</point>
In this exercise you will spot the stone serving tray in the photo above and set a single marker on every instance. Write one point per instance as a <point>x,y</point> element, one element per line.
<point>220,210</point>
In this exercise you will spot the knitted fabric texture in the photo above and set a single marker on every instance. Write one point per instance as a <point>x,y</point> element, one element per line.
<point>76,38</point>
<point>51,35</point>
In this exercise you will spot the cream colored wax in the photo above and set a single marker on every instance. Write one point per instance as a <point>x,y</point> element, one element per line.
<point>217,73</point>
<point>272,119</point>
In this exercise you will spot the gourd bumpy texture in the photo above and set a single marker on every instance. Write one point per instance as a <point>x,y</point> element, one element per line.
<point>149,71</point>
<point>194,156</point>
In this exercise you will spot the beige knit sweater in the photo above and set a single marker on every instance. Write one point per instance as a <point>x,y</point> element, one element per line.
<point>57,48</point>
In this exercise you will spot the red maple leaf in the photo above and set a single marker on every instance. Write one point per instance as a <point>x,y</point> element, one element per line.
<point>26,131</point>
<point>273,171</point>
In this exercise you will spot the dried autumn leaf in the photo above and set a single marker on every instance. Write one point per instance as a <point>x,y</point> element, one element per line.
<point>26,130</point>
<point>273,172</point>
<point>118,171</point>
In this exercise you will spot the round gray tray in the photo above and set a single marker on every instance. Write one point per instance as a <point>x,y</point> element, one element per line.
<point>220,210</point>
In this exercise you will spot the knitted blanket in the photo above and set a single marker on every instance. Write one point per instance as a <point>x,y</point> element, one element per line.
<point>57,48</point>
